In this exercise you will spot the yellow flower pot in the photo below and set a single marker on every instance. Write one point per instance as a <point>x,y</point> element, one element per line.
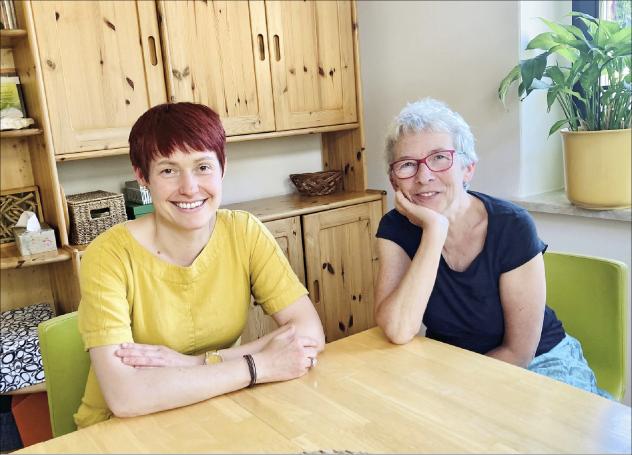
<point>597,168</point>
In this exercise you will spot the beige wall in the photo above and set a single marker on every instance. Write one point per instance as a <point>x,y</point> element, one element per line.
<point>456,51</point>
<point>255,169</point>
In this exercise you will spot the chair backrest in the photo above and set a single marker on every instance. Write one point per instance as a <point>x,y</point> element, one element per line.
<point>589,295</point>
<point>66,366</point>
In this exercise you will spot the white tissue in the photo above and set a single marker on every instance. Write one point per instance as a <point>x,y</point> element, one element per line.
<point>29,221</point>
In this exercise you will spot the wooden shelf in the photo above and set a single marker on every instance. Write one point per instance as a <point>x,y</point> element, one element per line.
<point>26,132</point>
<point>8,38</point>
<point>10,257</point>
<point>274,208</point>
<point>230,139</point>
<point>41,387</point>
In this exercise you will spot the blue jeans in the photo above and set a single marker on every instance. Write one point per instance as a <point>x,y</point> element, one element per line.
<point>566,363</point>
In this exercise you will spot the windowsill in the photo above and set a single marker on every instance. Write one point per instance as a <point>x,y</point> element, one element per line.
<point>556,202</point>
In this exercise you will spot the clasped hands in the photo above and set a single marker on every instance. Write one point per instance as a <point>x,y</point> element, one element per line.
<point>283,355</point>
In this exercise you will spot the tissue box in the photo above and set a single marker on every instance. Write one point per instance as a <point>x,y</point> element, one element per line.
<point>35,242</point>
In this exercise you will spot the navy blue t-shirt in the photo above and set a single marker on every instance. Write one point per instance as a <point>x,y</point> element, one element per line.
<point>464,308</point>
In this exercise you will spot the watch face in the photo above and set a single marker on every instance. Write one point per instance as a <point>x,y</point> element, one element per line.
<point>212,357</point>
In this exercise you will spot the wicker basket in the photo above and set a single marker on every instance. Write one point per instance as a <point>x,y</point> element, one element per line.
<point>92,213</point>
<point>316,183</point>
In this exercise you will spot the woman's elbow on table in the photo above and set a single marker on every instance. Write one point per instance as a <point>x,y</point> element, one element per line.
<point>395,333</point>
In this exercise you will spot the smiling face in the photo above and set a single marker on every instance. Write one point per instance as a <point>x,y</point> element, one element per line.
<point>186,188</point>
<point>436,190</point>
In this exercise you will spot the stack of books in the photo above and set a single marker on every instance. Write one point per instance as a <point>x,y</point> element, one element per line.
<point>7,15</point>
<point>137,200</point>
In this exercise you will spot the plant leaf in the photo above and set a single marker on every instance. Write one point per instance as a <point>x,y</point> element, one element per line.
<point>557,125</point>
<point>532,69</point>
<point>575,31</point>
<point>568,53</point>
<point>622,36</point>
<point>585,16</point>
<point>559,30</point>
<point>542,41</point>
<point>513,76</point>
<point>555,73</point>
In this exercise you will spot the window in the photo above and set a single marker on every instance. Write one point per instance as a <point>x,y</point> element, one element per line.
<point>616,11</point>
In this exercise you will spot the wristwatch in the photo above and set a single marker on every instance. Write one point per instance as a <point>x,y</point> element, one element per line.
<point>212,357</point>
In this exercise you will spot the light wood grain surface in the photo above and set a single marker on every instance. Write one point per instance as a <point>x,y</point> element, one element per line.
<point>367,395</point>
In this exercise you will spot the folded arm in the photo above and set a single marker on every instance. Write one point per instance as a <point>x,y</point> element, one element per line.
<point>404,287</point>
<point>139,379</point>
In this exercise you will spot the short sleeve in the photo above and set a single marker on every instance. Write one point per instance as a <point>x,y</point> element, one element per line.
<point>395,227</point>
<point>520,241</point>
<point>104,311</point>
<point>274,284</point>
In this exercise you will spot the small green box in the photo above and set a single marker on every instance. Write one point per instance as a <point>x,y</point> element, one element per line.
<point>135,210</point>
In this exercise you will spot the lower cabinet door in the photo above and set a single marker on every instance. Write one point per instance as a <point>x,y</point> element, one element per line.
<point>341,264</point>
<point>287,233</point>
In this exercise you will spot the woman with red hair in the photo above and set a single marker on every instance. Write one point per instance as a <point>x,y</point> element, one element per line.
<point>166,297</point>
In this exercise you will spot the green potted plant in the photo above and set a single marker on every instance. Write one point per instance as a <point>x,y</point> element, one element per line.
<point>590,80</point>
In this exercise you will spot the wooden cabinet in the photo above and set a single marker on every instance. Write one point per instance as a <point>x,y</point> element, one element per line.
<point>299,70</point>
<point>25,162</point>
<point>312,63</point>
<point>216,53</point>
<point>340,258</point>
<point>287,233</point>
<point>270,69</point>
<point>101,67</point>
<point>341,261</point>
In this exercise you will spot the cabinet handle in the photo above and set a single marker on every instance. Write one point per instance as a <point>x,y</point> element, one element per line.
<point>153,57</point>
<point>262,49</point>
<point>277,47</point>
<point>316,291</point>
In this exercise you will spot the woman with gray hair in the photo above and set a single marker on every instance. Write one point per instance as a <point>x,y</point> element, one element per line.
<point>467,265</point>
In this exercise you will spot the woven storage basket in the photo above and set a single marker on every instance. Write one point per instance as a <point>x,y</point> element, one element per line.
<point>316,183</point>
<point>92,213</point>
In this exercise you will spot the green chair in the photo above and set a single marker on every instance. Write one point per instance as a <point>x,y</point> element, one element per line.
<point>66,366</point>
<point>589,295</point>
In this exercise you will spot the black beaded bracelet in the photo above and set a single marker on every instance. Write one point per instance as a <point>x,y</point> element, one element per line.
<point>252,369</point>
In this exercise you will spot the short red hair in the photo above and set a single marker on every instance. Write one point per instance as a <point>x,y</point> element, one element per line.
<point>171,127</point>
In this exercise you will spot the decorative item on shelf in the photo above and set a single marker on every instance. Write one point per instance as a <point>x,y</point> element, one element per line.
<point>135,210</point>
<point>12,107</point>
<point>317,183</point>
<point>31,237</point>
<point>21,358</point>
<point>92,213</point>
<point>13,203</point>
<point>134,192</point>
<point>591,83</point>
<point>7,15</point>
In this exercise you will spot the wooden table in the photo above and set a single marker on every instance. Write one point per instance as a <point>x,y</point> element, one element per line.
<point>367,395</point>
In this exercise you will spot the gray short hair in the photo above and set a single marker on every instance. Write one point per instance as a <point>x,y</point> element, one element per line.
<point>430,115</point>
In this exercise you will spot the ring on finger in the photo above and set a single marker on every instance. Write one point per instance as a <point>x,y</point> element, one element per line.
<point>312,362</point>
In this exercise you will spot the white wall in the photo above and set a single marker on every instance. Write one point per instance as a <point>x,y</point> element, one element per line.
<point>541,165</point>
<point>456,51</point>
<point>255,169</point>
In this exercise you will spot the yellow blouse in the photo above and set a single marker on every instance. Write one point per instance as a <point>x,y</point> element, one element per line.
<point>128,294</point>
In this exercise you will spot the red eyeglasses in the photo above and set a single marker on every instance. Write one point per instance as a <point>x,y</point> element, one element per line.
<point>437,162</point>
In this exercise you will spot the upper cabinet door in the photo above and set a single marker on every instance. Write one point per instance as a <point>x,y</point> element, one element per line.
<point>216,54</point>
<point>311,46</point>
<point>101,68</point>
